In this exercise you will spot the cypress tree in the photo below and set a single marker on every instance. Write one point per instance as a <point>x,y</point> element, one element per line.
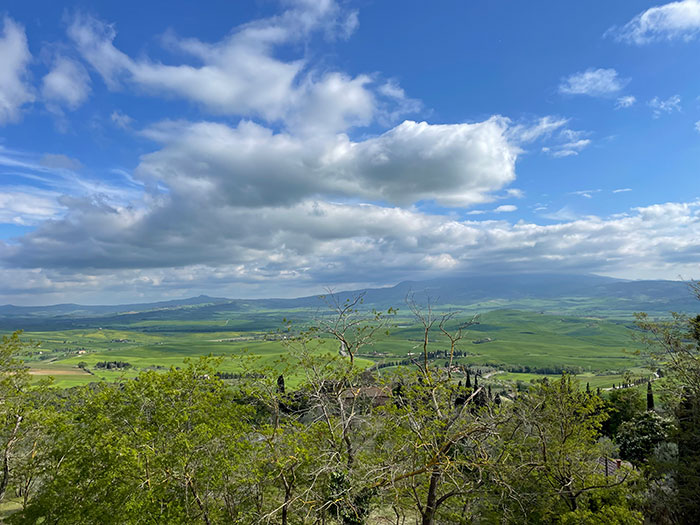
<point>650,397</point>
<point>280,384</point>
<point>468,383</point>
<point>687,475</point>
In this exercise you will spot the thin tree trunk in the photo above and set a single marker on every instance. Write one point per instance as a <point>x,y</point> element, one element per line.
<point>200,504</point>
<point>287,498</point>
<point>6,459</point>
<point>431,500</point>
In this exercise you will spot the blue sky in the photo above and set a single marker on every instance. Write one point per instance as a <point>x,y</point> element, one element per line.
<point>156,150</point>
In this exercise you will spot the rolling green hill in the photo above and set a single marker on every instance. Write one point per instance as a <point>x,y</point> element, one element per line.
<point>503,340</point>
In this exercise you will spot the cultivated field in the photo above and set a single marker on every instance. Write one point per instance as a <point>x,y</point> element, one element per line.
<point>512,345</point>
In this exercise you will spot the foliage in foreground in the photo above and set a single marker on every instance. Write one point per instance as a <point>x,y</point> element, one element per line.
<point>346,447</point>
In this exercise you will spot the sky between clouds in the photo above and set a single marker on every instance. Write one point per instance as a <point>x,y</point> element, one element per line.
<point>256,149</point>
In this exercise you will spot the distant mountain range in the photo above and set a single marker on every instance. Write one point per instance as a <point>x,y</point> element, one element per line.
<point>79,310</point>
<point>584,294</point>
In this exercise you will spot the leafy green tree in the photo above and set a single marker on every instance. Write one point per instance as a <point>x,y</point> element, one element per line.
<point>687,472</point>
<point>554,457</point>
<point>638,437</point>
<point>22,420</point>
<point>166,446</point>
<point>674,344</point>
<point>622,404</point>
<point>432,452</point>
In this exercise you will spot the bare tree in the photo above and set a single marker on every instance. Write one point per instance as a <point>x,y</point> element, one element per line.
<point>455,336</point>
<point>351,325</point>
<point>426,317</point>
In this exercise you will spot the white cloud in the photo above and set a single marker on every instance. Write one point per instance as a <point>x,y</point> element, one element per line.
<point>15,91</point>
<point>560,140</point>
<point>334,102</point>
<point>675,20</point>
<point>669,105</point>
<point>44,186</point>
<point>60,161</point>
<point>312,244</point>
<point>563,214</point>
<point>697,126</point>
<point>571,143</point>
<point>625,102</point>
<point>505,208</point>
<point>399,103</point>
<point>67,84</point>
<point>542,128</point>
<point>585,193</point>
<point>294,197</point>
<point>236,76</point>
<point>515,193</point>
<point>455,165</point>
<point>592,82</point>
<point>622,190</point>
<point>241,74</point>
<point>569,149</point>
<point>121,119</point>
<point>266,196</point>
<point>27,206</point>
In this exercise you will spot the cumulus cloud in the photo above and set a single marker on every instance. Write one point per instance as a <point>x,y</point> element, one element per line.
<point>241,75</point>
<point>593,82</point>
<point>288,194</point>
<point>310,243</point>
<point>669,105</point>
<point>15,91</point>
<point>675,20</point>
<point>67,84</point>
<point>250,165</point>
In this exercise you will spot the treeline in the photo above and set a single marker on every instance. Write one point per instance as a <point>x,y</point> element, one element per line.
<point>546,370</point>
<point>236,375</point>
<point>528,369</point>
<point>631,382</point>
<point>113,365</point>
